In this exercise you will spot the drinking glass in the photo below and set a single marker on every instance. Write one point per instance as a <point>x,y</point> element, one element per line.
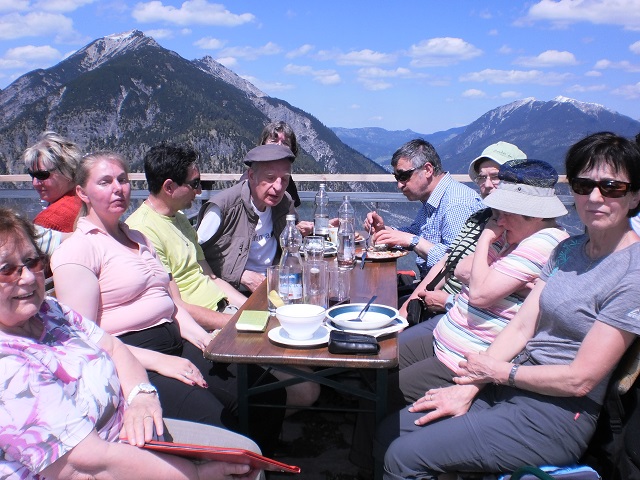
<point>314,283</point>
<point>314,248</point>
<point>277,287</point>
<point>339,286</point>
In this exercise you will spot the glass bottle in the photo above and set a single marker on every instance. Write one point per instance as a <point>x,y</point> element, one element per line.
<point>346,235</point>
<point>321,213</point>
<point>291,241</point>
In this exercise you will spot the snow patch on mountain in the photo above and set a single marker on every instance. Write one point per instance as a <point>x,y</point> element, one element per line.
<point>106,48</point>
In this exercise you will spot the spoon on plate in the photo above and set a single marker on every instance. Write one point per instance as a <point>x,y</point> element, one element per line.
<point>364,310</point>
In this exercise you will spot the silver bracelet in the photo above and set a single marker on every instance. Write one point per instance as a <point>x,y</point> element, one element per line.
<point>512,375</point>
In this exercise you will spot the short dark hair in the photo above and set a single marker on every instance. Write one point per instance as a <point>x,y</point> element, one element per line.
<point>13,224</point>
<point>271,131</point>
<point>168,162</point>
<point>606,148</point>
<point>420,152</point>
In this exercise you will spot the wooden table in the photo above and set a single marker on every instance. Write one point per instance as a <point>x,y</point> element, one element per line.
<point>231,346</point>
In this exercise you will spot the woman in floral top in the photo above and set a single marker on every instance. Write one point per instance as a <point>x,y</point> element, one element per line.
<point>64,383</point>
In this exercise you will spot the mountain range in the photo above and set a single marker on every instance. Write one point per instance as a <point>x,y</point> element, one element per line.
<point>126,93</point>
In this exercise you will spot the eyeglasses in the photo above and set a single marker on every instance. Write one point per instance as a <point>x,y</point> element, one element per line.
<point>481,179</point>
<point>608,188</point>
<point>39,174</point>
<point>12,273</point>
<point>195,183</point>
<point>403,175</point>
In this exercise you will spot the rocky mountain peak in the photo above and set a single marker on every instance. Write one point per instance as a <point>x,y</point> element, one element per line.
<point>106,48</point>
<point>210,66</point>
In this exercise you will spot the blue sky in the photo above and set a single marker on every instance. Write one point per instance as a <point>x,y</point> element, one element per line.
<point>426,65</point>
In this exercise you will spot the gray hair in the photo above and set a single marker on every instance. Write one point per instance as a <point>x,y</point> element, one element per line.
<point>54,153</point>
<point>420,152</point>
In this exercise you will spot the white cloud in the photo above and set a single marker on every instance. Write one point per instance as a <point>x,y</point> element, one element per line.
<point>14,5</point>
<point>635,47</point>
<point>35,24</point>
<point>325,77</point>
<point>549,58</point>
<point>268,86</point>
<point>228,62</point>
<point>493,32</point>
<point>29,57</point>
<point>300,51</point>
<point>208,43</point>
<point>474,93</point>
<point>537,77</point>
<point>365,57</point>
<point>252,53</point>
<point>191,12</point>
<point>374,85</point>
<point>375,72</point>
<point>622,65</point>
<point>377,118</point>
<point>586,88</point>
<point>61,5</point>
<point>439,52</point>
<point>505,50</point>
<point>593,73</point>
<point>354,106</point>
<point>600,12</point>
<point>159,33</point>
<point>510,94</point>
<point>630,92</point>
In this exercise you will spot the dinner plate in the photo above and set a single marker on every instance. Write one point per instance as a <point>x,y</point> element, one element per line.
<point>378,316</point>
<point>280,336</point>
<point>386,255</point>
<point>400,323</point>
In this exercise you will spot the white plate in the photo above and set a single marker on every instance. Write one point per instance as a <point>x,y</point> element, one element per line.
<point>378,316</point>
<point>400,323</point>
<point>278,335</point>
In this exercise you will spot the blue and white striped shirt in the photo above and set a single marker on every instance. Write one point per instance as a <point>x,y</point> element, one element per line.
<point>442,217</point>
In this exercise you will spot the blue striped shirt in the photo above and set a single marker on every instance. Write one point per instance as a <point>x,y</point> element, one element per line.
<point>442,217</point>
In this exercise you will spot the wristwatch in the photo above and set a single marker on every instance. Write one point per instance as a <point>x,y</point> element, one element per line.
<point>414,241</point>
<point>141,388</point>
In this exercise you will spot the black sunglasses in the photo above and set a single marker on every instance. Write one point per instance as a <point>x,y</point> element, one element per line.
<point>195,183</point>
<point>608,188</point>
<point>39,174</point>
<point>403,175</point>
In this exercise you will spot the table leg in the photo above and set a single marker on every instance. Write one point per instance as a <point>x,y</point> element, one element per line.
<point>381,413</point>
<point>243,398</point>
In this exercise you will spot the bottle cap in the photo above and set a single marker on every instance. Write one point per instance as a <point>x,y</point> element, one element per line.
<point>291,216</point>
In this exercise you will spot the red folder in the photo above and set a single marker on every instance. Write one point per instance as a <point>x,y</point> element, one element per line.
<point>222,454</point>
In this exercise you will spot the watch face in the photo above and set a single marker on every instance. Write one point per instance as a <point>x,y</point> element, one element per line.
<point>147,388</point>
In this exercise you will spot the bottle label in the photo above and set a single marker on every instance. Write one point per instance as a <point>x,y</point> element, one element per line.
<point>294,290</point>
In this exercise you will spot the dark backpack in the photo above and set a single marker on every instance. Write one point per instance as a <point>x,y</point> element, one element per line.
<point>614,450</point>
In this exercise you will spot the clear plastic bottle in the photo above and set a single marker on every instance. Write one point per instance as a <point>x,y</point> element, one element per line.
<point>321,213</point>
<point>291,241</point>
<point>346,235</point>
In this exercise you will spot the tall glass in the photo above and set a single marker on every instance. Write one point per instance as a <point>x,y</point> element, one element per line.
<point>277,287</point>
<point>315,283</point>
<point>314,248</point>
<point>339,286</point>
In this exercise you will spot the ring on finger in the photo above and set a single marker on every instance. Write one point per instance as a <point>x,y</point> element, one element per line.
<point>431,397</point>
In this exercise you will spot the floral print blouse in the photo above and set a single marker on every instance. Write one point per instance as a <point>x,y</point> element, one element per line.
<point>54,391</point>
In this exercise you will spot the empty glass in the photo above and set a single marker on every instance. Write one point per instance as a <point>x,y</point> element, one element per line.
<point>314,283</point>
<point>314,248</point>
<point>277,287</point>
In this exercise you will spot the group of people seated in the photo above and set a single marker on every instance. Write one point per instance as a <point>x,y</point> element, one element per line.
<point>502,372</point>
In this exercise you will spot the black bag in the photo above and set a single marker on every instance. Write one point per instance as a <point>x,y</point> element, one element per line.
<point>417,312</point>
<point>614,450</point>
<point>352,343</point>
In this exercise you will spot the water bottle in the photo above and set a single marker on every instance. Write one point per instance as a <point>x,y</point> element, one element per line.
<point>321,213</point>
<point>291,241</point>
<point>346,235</point>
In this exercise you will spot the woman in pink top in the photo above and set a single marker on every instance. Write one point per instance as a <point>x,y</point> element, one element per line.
<point>111,274</point>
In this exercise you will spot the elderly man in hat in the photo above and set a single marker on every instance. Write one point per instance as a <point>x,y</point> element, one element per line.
<point>239,227</point>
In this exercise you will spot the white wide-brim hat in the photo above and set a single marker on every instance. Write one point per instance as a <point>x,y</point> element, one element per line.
<point>527,188</point>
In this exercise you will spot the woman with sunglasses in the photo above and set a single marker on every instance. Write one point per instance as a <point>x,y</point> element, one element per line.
<point>541,383</point>
<point>110,273</point>
<point>51,162</point>
<point>70,390</point>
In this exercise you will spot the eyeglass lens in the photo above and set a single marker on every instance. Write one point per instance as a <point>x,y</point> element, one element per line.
<point>480,179</point>
<point>608,188</point>
<point>403,175</point>
<point>39,174</point>
<point>195,183</point>
<point>11,273</point>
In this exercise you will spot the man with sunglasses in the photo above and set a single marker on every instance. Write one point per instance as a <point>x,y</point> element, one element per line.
<point>446,205</point>
<point>174,181</point>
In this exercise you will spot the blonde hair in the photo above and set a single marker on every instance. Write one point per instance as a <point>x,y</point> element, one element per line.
<point>55,153</point>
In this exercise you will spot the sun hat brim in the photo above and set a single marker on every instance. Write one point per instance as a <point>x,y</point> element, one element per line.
<point>538,202</point>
